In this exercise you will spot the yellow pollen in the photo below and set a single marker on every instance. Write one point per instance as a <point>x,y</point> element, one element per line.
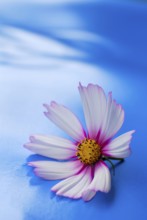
<point>88,151</point>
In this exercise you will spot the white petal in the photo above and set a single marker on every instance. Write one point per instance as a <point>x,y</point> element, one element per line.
<point>100,182</point>
<point>53,170</point>
<point>65,120</point>
<point>94,106</point>
<point>74,186</point>
<point>113,120</point>
<point>119,147</point>
<point>53,147</point>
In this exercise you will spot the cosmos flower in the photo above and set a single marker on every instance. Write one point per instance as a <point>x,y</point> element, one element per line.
<point>81,162</point>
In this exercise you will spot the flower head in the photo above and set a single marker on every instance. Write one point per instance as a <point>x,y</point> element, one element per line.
<point>80,163</point>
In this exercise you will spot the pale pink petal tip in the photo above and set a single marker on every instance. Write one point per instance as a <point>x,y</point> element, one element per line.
<point>88,195</point>
<point>80,84</point>
<point>26,145</point>
<point>30,164</point>
<point>53,103</point>
<point>45,105</point>
<point>32,138</point>
<point>46,114</point>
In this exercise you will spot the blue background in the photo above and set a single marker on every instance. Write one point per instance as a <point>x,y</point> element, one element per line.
<point>46,48</point>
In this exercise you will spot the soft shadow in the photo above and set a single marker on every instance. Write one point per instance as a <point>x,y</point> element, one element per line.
<point>34,179</point>
<point>102,200</point>
<point>61,199</point>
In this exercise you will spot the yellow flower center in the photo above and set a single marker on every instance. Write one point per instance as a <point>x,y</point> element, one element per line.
<point>88,151</point>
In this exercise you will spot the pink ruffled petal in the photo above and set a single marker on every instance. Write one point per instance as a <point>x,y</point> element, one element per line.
<point>113,120</point>
<point>74,186</point>
<point>52,170</point>
<point>94,106</point>
<point>101,181</point>
<point>119,147</point>
<point>53,147</point>
<point>65,120</point>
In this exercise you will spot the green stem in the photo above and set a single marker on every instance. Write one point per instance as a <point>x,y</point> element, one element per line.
<point>109,160</point>
<point>114,158</point>
<point>113,167</point>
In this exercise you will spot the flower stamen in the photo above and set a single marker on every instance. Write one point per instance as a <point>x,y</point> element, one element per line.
<point>88,151</point>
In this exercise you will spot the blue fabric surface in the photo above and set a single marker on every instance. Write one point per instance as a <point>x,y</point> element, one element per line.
<point>46,48</point>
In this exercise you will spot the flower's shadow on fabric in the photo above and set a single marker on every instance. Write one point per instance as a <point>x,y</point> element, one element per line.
<point>101,199</point>
<point>43,185</point>
<point>107,199</point>
<point>104,200</point>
